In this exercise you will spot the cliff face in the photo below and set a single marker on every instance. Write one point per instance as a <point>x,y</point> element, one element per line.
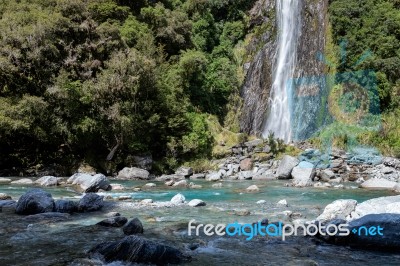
<point>257,85</point>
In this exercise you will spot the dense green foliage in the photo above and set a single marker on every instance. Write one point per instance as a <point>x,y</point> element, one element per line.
<point>79,79</point>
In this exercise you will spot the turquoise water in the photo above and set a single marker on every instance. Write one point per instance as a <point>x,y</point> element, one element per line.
<point>65,243</point>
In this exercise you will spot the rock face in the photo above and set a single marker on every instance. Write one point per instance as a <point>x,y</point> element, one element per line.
<point>134,227</point>
<point>66,206</point>
<point>35,201</point>
<point>303,174</point>
<point>379,183</point>
<point>259,76</point>
<point>339,209</point>
<point>47,181</point>
<point>286,166</point>
<point>90,202</point>
<point>133,173</point>
<point>196,203</point>
<point>116,221</point>
<point>139,250</point>
<point>375,206</point>
<point>88,183</point>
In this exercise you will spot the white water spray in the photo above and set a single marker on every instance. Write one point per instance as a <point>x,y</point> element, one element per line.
<point>289,25</point>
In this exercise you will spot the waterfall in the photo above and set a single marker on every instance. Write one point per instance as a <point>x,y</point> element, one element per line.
<point>289,24</point>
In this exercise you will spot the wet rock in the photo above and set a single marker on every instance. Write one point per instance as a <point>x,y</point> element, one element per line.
<point>4,196</point>
<point>113,214</point>
<point>90,202</point>
<point>378,183</point>
<point>246,164</point>
<point>261,202</point>
<point>242,212</point>
<point>182,183</point>
<point>23,181</point>
<point>133,173</point>
<point>282,203</point>
<point>35,201</point>
<point>196,203</point>
<point>65,206</point>
<point>116,221</point>
<point>117,187</point>
<point>150,185</point>
<point>4,180</point>
<point>125,197</point>
<point>252,188</point>
<point>138,250</point>
<point>134,227</point>
<point>339,209</point>
<point>303,174</point>
<point>178,199</point>
<point>47,181</point>
<point>8,206</point>
<point>286,166</point>
<point>170,183</point>
<point>213,176</point>
<point>147,201</point>
<point>185,171</point>
<point>47,217</point>
<point>88,183</point>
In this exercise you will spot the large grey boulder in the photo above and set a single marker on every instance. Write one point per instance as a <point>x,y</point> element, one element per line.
<point>178,199</point>
<point>138,250</point>
<point>47,181</point>
<point>196,203</point>
<point>133,173</point>
<point>90,202</point>
<point>374,206</point>
<point>339,209</point>
<point>90,183</point>
<point>185,171</point>
<point>303,174</point>
<point>35,201</point>
<point>286,166</point>
<point>213,176</point>
<point>379,183</point>
<point>22,181</point>
<point>4,180</point>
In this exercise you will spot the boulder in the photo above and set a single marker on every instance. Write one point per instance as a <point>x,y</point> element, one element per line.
<point>4,196</point>
<point>303,174</point>
<point>164,178</point>
<point>134,227</point>
<point>282,203</point>
<point>379,183</point>
<point>23,181</point>
<point>88,183</point>
<point>246,164</point>
<point>47,181</point>
<point>133,173</point>
<point>327,175</point>
<point>150,185</point>
<point>339,209</point>
<point>213,176</point>
<point>374,206</point>
<point>4,180</point>
<point>185,171</point>
<point>178,199</point>
<point>252,188</point>
<point>116,221</point>
<point>66,206</point>
<point>286,166</point>
<point>196,203</point>
<point>384,236</point>
<point>117,187</point>
<point>197,176</point>
<point>181,183</point>
<point>138,250</point>
<point>90,202</point>
<point>245,175</point>
<point>35,201</point>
